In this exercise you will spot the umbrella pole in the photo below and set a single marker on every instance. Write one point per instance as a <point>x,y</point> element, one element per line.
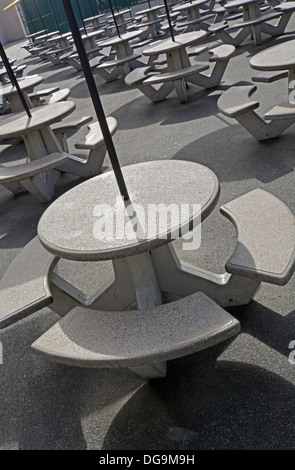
<point>169,20</point>
<point>54,16</point>
<point>113,13</point>
<point>40,16</point>
<point>13,79</point>
<point>95,98</point>
<point>81,15</point>
<point>91,8</point>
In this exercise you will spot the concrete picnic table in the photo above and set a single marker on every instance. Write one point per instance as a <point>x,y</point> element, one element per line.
<point>251,12</point>
<point>192,11</point>
<point>153,21</point>
<point>67,228</point>
<point>120,19</point>
<point>89,39</point>
<point>61,40</point>
<point>121,43</point>
<point>278,57</point>
<point>26,84</point>
<point>178,61</point>
<point>38,137</point>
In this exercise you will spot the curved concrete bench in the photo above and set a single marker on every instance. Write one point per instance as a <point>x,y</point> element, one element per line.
<point>176,77</point>
<point>284,110</point>
<point>72,59</point>
<point>236,100</point>
<point>24,287</point>
<point>36,96</point>
<point>119,67</point>
<point>269,76</point>
<point>59,95</point>
<point>265,249</point>
<point>60,129</point>
<point>94,142</point>
<point>27,176</point>
<point>136,78</point>
<point>137,75</point>
<point>20,70</point>
<point>220,56</point>
<point>256,21</point>
<point>220,30</point>
<point>236,104</point>
<point>136,338</point>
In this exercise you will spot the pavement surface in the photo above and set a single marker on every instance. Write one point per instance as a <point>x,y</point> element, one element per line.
<point>239,395</point>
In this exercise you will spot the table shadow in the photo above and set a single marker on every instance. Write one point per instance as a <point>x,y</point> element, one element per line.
<point>234,155</point>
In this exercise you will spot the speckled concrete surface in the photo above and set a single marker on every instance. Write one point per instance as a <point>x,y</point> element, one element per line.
<point>236,395</point>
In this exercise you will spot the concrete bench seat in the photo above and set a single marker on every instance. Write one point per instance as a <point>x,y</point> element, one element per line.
<point>196,23</point>
<point>284,110</point>
<point>19,70</point>
<point>236,103</point>
<point>29,176</point>
<point>137,76</point>
<point>59,95</point>
<point>236,100</point>
<point>256,21</point>
<point>95,144</point>
<point>24,287</point>
<point>95,61</point>
<point>115,62</point>
<point>219,56</point>
<point>37,96</point>
<point>111,70</point>
<point>71,58</point>
<point>60,129</point>
<point>67,54</point>
<point>175,75</point>
<point>96,339</point>
<point>31,168</point>
<point>269,76</point>
<point>221,53</point>
<point>265,249</point>
<point>145,42</point>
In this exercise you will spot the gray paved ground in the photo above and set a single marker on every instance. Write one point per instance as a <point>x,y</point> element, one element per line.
<point>238,395</point>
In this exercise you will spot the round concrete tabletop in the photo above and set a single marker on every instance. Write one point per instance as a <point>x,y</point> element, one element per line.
<point>47,35</point>
<point>148,10</point>
<point>92,34</point>
<point>42,116</point>
<point>60,36</point>
<point>36,34</point>
<point>188,5</point>
<point>239,3</point>
<point>24,84</point>
<point>119,13</point>
<point>181,40</point>
<point>279,57</point>
<point>71,226</point>
<point>94,17</point>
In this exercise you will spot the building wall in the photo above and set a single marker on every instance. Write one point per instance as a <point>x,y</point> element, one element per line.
<point>11,28</point>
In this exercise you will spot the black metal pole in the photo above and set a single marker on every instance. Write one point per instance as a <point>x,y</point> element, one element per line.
<point>54,16</point>
<point>13,79</point>
<point>91,8</point>
<point>40,16</point>
<point>95,98</point>
<point>81,16</point>
<point>117,6</point>
<point>169,20</point>
<point>112,11</point>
